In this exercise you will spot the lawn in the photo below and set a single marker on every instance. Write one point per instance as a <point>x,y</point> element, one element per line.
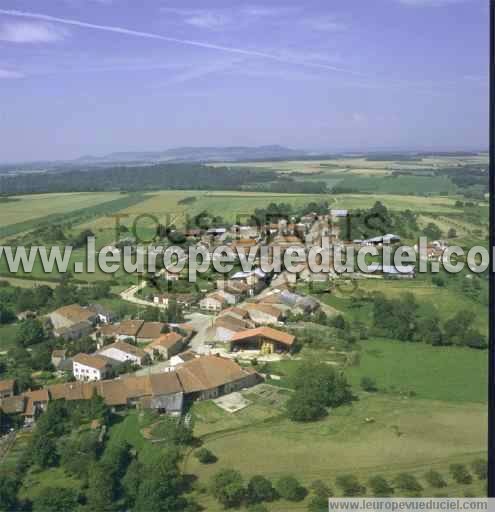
<point>450,374</point>
<point>375,435</point>
<point>36,481</point>
<point>8,334</point>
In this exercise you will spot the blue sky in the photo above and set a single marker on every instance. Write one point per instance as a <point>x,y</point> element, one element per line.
<point>95,76</point>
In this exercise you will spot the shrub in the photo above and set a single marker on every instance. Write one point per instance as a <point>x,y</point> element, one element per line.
<point>304,408</point>
<point>290,489</point>
<point>435,479</point>
<point>460,474</point>
<point>260,489</point>
<point>227,486</point>
<point>369,384</point>
<point>350,485</point>
<point>205,456</point>
<point>408,483</point>
<point>318,504</point>
<point>480,469</point>
<point>321,489</point>
<point>380,486</point>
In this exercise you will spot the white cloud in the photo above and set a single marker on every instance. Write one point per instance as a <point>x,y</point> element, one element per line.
<point>201,18</point>
<point>208,20</point>
<point>5,73</point>
<point>27,32</point>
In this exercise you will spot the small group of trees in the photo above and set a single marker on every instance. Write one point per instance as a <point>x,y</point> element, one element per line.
<point>402,319</point>
<point>317,386</point>
<point>231,490</point>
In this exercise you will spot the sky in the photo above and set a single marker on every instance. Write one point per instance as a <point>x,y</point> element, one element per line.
<point>81,77</point>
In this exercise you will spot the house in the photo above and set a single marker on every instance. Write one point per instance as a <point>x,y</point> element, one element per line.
<point>226,326</point>
<point>216,232</point>
<point>209,377</point>
<point>167,394</point>
<point>238,312</point>
<point>87,367</point>
<point>7,388</point>
<point>379,241</point>
<point>68,316</point>
<point>194,378</point>
<point>263,314</point>
<point>171,276</point>
<point>397,272</point>
<point>26,315</point>
<point>13,405</point>
<point>123,352</point>
<point>212,302</point>
<point>122,330</point>
<point>103,315</point>
<point>57,357</point>
<point>74,331</point>
<point>182,358</point>
<point>339,214</point>
<point>166,345</point>
<point>186,300</point>
<point>264,339</point>
<point>150,331</point>
<point>231,297</point>
<point>36,403</point>
<point>299,303</point>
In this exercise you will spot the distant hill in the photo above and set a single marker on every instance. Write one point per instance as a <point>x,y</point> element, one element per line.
<point>196,154</point>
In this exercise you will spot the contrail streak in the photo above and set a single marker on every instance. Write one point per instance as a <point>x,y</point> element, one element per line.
<point>188,42</point>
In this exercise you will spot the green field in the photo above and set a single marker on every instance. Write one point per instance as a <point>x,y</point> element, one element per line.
<point>420,185</point>
<point>451,374</point>
<point>375,435</point>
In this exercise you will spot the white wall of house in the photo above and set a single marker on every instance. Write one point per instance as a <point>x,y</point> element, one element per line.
<point>120,355</point>
<point>262,318</point>
<point>210,304</point>
<point>86,373</point>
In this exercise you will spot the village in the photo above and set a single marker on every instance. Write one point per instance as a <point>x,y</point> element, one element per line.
<point>163,365</point>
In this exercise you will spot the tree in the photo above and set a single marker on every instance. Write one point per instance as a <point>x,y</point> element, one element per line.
<point>369,384</point>
<point>452,233</point>
<point>156,485</point>
<point>432,231</point>
<point>438,280</point>
<point>8,492</point>
<point>350,485</point>
<point>30,333</point>
<point>101,488</point>
<point>55,499</point>
<point>44,451</point>
<point>205,456</point>
<point>322,381</point>
<point>435,479</point>
<point>408,483</point>
<point>6,315</point>
<point>260,489</point>
<point>131,481</point>
<point>302,407</point>
<point>458,326</point>
<point>460,474</point>
<point>227,486</point>
<point>480,468</point>
<point>339,322</point>
<point>380,486</point>
<point>289,488</point>
<point>429,330</point>
<point>319,502</point>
